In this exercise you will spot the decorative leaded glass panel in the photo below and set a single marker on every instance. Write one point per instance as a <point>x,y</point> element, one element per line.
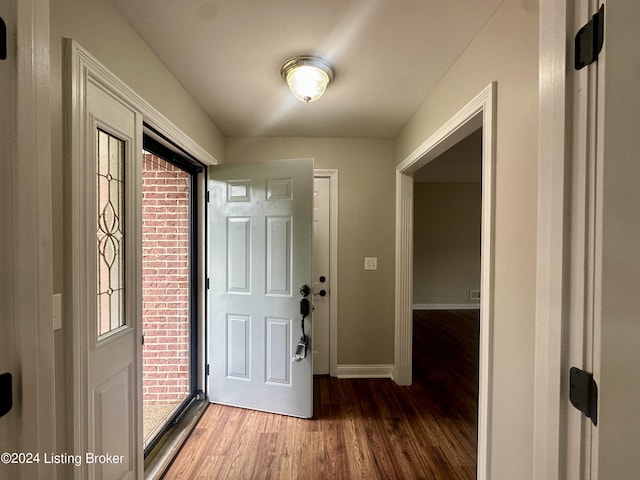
<point>110,234</point>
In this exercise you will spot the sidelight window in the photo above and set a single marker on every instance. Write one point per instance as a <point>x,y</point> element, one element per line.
<point>110,232</point>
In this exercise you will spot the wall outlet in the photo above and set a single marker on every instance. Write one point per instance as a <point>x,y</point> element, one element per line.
<point>474,294</point>
<point>371,263</point>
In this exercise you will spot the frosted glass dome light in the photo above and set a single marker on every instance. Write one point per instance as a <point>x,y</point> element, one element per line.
<point>307,77</point>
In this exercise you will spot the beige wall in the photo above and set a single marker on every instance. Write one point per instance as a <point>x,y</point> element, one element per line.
<point>446,242</point>
<point>98,27</point>
<point>506,50</point>
<point>365,229</point>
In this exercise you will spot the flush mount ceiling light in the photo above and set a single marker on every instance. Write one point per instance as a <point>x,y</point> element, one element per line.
<point>307,77</point>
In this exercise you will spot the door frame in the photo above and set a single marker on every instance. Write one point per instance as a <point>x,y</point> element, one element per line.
<point>550,295</point>
<point>573,147</point>
<point>332,175</point>
<point>79,66</point>
<point>562,440</point>
<point>479,112</point>
<point>29,233</point>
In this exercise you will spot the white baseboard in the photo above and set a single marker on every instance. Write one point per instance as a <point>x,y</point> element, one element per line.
<point>446,306</point>
<point>365,371</point>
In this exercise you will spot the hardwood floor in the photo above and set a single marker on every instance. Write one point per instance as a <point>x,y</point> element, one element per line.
<point>363,428</point>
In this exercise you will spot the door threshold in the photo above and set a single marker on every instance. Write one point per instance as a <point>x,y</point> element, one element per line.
<point>159,459</point>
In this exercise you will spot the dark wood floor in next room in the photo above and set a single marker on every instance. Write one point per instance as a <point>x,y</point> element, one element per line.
<point>363,428</point>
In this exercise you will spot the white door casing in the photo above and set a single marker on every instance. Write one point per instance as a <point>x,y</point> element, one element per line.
<point>551,297</point>
<point>321,276</point>
<point>260,254</point>
<point>8,356</point>
<point>588,318</point>
<point>478,112</point>
<point>26,238</point>
<point>581,296</point>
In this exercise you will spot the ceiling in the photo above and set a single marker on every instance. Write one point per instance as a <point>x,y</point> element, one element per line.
<point>387,54</point>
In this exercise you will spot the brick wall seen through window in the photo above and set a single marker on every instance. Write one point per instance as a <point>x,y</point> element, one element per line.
<point>165,251</point>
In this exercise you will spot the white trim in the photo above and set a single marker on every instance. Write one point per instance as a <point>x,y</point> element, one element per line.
<point>151,115</point>
<point>201,285</point>
<point>32,279</point>
<point>332,175</point>
<point>364,371</point>
<point>479,112</point>
<point>446,306</point>
<point>446,136</point>
<point>403,340</point>
<point>593,337</point>
<point>550,301</point>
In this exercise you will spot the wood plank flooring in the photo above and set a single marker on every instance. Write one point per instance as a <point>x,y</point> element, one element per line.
<point>363,428</point>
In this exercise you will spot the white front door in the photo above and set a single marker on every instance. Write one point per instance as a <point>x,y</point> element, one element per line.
<point>106,242</point>
<point>260,254</point>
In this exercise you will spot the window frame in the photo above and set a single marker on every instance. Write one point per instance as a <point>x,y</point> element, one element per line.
<point>157,144</point>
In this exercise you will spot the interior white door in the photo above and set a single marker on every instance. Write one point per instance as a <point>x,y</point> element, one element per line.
<point>617,269</point>
<point>114,145</point>
<point>321,275</point>
<point>604,328</point>
<point>579,431</point>
<point>260,251</point>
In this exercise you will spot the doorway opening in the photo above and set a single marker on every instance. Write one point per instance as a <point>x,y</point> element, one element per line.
<point>169,298</point>
<point>446,289</point>
<point>477,113</point>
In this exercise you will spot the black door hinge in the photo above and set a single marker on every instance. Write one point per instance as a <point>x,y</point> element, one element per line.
<point>589,40</point>
<point>3,39</point>
<point>208,196</point>
<point>207,283</point>
<point>583,393</point>
<point>6,394</point>
<point>207,369</point>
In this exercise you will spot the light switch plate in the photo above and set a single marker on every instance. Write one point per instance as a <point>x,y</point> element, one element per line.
<point>57,311</point>
<point>371,263</point>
